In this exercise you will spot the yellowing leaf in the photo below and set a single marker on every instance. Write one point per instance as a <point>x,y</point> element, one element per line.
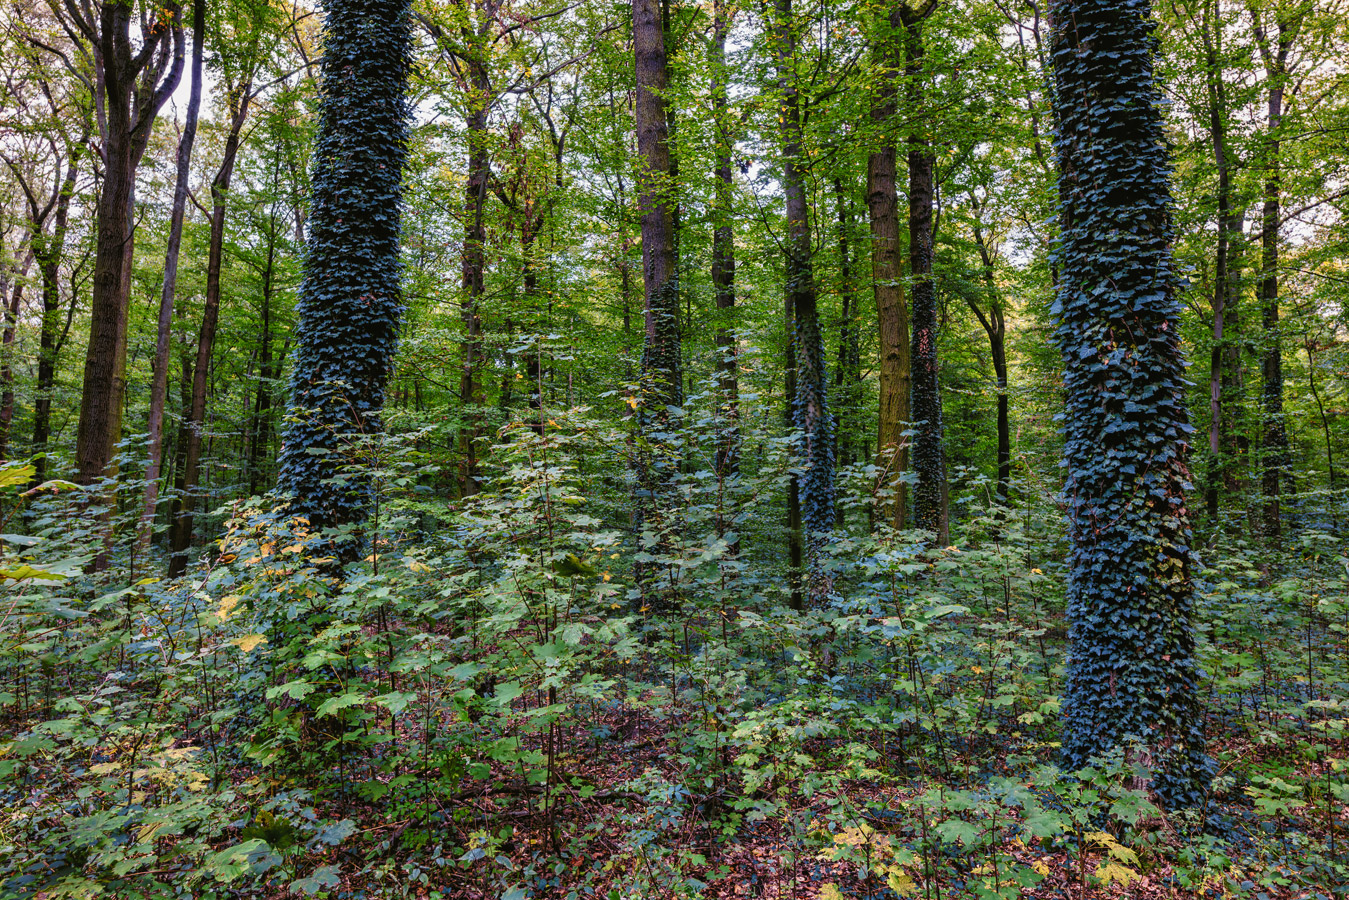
<point>249,641</point>
<point>1113,871</point>
<point>226,606</point>
<point>146,832</point>
<point>900,882</point>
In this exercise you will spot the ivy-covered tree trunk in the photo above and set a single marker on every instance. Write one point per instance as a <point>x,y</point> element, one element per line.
<point>810,401</point>
<point>350,297</point>
<point>1132,676</point>
<point>847,373</point>
<point>929,453</point>
<point>887,274</point>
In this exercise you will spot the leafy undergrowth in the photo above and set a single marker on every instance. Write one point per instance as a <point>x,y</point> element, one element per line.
<point>487,705</point>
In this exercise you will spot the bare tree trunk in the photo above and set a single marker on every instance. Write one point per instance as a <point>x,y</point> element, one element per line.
<point>995,326</point>
<point>131,87</point>
<point>159,384</point>
<point>49,251</point>
<point>892,315</point>
<point>1274,437</point>
<point>12,300</point>
<point>723,256</point>
<point>661,379</point>
<point>183,520</point>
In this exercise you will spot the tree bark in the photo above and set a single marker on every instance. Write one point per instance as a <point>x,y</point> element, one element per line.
<point>723,255</point>
<point>1274,435</point>
<point>49,251</point>
<point>810,402</point>
<point>929,494</point>
<point>892,314</point>
<point>995,326</point>
<point>478,88</point>
<point>131,87</point>
<point>185,503</point>
<point>660,374</point>
<point>159,385</point>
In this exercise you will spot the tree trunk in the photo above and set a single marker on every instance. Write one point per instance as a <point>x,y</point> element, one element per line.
<point>1226,290</point>
<point>661,379</point>
<point>723,256</point>
<point>183,520</point>
<point>1274,435</point>
<point>159,384</point>
<point>810,402</point>
<point>132,87</point>
<point>929,494</point>
<point>351,299</point>
<point>892,315</point>
<point>1132,679</point>
<point>474,257</point>
<point>847,374</point>
<point>49,251</point>
<point>995,326</point>
<point>12,300</point>
<point>261,432</point>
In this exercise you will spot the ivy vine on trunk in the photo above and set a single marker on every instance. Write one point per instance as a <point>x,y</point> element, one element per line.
<point>1132,676</point>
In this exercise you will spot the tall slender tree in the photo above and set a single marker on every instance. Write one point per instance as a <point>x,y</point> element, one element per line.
<point>661,367</point>
<point>887,274</point>
<point>240,99</point>
<point>159,382</point>
<point>929,452</point>
<point>810,400</point>
<point>1275,40</point>
<point>1132,676</point>
<point>350,297</point>
<point>723,249</point>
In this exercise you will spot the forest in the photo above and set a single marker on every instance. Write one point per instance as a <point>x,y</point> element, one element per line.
<point>561,449</point>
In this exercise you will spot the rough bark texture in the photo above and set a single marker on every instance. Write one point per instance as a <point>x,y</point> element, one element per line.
<point>1132,678</point>
<point>810,401</point>
<point>350,296</point>
<point>929,463</point>
<point>661,385</point>
<point>887,273</point>
<point>660,371</point>
<point>131,87</point>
